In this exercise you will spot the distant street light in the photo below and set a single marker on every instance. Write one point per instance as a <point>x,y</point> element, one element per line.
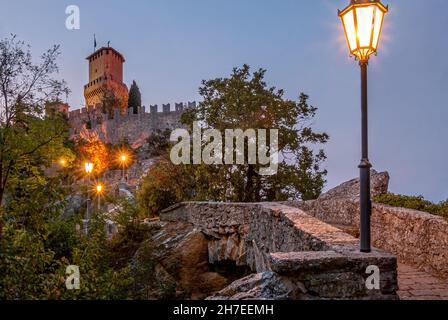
<point>99,191</point>
<point>62,162</point>
<point>88,167</point>
<point>363,22</point>
<point>123,160</point>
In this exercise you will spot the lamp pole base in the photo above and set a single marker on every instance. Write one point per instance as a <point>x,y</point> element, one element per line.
<point>365,205</point>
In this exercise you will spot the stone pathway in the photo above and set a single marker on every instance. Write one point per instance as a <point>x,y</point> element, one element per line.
<point>418,285</point>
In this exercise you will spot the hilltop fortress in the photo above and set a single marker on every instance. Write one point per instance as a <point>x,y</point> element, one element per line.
<point>107,115</point>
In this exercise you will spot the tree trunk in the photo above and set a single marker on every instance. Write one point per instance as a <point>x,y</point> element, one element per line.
<point>249,190</point>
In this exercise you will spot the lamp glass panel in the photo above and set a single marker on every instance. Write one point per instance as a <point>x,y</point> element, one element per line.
<point>350,31</point>
<point>378,23</point>
<point>364,16</point>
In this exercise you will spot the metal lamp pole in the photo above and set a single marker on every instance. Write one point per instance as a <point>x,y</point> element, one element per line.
<point>88,166</point>
<point>88,214</point>
<point>364,166</point>
<point>362,21</point>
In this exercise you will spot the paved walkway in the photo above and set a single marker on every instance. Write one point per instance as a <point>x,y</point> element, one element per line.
<point>418,285</point>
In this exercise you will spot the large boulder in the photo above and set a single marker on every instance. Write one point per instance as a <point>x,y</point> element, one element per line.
<point>379,184</point>
<point>180,254</point>
<point>340,205</point>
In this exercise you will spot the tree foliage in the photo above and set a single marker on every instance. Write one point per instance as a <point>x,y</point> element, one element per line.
<point>414,202</point>
<point>164,185</point>
<point>135,97</point>
<point>28,139</point>
<point>37,241</point>
<point>244,101</point>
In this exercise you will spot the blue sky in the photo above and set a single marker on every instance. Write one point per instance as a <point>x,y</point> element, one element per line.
<point>170,46</point>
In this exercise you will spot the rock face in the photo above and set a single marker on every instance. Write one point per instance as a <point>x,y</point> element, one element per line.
<point>182,263</point>
<point>260,286</point>
<point>379,184</point>
<point>340,206</point>
<point>294,255</point>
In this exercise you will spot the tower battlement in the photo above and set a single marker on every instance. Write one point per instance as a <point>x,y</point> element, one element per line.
<point>130,126</point>
<point>106,78</point>
<point>91,111</point>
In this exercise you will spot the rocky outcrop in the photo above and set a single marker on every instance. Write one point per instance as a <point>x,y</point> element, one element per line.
<point>180,253</point>
<point>379,184</point>
<point>340,205</point>
<point>261,286</point>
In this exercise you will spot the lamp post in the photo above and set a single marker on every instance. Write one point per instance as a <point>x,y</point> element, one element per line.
<point>123,159</point>
<point>363,21</point>
<point>88,168</point>
<point>99,191</point>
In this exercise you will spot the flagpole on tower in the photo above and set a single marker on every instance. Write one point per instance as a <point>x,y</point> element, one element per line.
<point>94,42</point>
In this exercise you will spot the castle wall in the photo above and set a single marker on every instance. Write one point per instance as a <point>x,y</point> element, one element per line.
<point>133,128</point>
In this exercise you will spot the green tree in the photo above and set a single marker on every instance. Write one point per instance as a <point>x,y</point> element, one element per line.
<point>158,143</point>
<point>164,185</point>
<point>244,101</point>
<point>28,140</point>
<point>135,97</point>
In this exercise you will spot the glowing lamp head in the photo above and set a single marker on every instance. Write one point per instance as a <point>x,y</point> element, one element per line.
<point>363,23</point>
<point>63,162</point>
<point>123,158</point>
<point>99,188</point>
<point>88,167</point>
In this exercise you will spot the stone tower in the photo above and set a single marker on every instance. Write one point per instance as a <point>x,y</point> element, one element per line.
<point>106,79</point>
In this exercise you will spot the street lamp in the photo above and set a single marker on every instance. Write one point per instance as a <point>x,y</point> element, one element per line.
<point>123,159</point>
<point>363,22</point>
<point>88,168</point>
<point>99,191</point>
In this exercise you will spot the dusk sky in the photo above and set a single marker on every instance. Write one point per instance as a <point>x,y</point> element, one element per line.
<point>170,46</point>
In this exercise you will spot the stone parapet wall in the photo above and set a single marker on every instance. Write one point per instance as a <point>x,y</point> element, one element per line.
<point>304,257</point>
<point>417,238</point>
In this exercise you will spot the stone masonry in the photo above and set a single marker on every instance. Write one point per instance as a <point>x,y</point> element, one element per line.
<point>134,128</point>
<point>418,239</point>
<point>293,255</point>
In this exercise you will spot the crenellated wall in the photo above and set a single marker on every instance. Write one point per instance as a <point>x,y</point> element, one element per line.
<point>134,128</point>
